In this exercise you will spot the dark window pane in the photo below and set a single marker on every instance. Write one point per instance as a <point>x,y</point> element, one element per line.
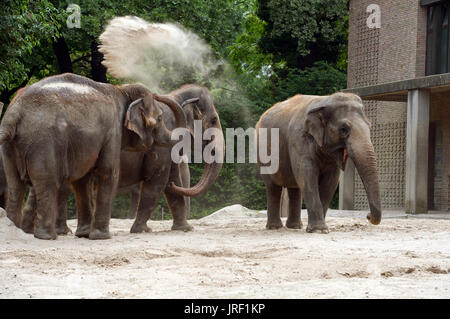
<point>437,33</point>
<point>438,39</point>
<point>429,56</point>
<point>444,40</point>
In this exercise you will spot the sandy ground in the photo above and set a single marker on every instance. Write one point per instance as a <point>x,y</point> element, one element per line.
<point>231,255</point>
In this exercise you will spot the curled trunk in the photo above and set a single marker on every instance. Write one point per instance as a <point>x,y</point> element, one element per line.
<point>210,173</point>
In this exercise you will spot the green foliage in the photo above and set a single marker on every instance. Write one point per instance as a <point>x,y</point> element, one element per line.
<point>24,25</point>
<point>320,79</point>
<point>245,53</point>
<point>301,32</point>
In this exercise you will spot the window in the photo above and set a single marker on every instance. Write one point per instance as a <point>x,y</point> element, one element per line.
<point>438,58</point>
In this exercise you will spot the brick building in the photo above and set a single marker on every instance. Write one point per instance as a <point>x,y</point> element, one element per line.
<point>399,63</point>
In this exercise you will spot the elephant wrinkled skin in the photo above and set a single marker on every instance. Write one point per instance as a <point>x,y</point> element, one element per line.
<point>316,133</point>
<point>149,175</point>
<point>67,129</point>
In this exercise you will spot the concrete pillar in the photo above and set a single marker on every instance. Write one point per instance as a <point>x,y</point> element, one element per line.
<point>417,126</point>
<point>284,203</point>
<point>347,187</point>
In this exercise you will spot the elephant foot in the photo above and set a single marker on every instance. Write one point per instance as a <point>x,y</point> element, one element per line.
<point>140,228</point>
<point>14,219</point>
<point>294,224</point>
<point>28,226</point>
<point>184,226</point>
<point>317,227</point>
<point>43,233</point>
<point>97,234</point>
<point>63,230</point>
<point>274,225</point>
<point>83,231</point>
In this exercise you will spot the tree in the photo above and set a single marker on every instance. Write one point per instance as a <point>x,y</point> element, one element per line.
<point>301,32</point>
<point>25,26</point>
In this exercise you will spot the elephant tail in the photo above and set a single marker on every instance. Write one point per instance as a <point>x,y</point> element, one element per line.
<point>5,135</point>
<point>7,130</point>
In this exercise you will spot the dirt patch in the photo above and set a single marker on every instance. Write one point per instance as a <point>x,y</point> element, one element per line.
<point>233,256</point>
<point>109,262</point>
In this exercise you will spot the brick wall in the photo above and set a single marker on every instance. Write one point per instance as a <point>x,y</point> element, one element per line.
<point>394,52</point>
<point>376,56</point>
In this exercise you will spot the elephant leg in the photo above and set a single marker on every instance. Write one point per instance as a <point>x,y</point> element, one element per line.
<point>316,221</point>
<point>186,180</point>
<point>46,192</point>
<point>83,202</point>
<point>29,212</point>
<point>106,191</point>
<point>3,200</point>
<point>150,194</point>
<point>327,187</point>
<point>16,187</point>
<point>179,205</point>
<point>273,193</point>
<point>61,219</point>
<point>134,203</point>
<point>107,178</point>
<point>295,202</point>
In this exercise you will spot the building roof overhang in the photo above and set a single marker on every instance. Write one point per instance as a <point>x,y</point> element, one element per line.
<point>431,2</point>
<point>398,91</point>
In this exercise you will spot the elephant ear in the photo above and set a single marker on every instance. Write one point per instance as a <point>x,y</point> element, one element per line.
<point>192,112</point>
<point>138,116</point>
<point>194,107</point>
<point>189,101</point>
<point>315,123</point>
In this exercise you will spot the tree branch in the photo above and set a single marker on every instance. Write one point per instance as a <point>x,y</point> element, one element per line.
<point>84,57</point>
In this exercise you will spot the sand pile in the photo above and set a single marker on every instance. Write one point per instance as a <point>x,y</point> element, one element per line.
<point>8,231</point>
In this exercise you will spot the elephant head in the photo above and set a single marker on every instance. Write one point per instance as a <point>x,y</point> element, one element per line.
<point>144,118</point>
<point>198,104</point>
<point>340,128</point>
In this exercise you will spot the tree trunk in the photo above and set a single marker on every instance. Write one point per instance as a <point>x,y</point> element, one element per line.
<point>98,69</point>
<point>61,51</point>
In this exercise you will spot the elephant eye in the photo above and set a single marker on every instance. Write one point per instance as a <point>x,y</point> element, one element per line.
<point>159,118</point>
<point>214,121</point>
<point>344,130</point>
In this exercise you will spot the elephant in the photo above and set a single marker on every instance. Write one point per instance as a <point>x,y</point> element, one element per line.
<point>149,175</point>
<point>316,135</point>
<point>68,129</point>
<point>174,179</point>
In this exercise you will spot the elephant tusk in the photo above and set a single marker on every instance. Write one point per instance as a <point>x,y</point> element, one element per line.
<point>344,158</point>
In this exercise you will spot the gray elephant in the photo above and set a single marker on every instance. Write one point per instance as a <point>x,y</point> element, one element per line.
<point>149,175</point>
<point>316,133</point>
<point>68,129</point>
<point>174,179</point>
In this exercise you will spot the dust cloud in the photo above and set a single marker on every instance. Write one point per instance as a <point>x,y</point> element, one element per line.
<point>154,54</point>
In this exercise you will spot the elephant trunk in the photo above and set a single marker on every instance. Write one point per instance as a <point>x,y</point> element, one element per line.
<point>210,172</point>
<point>361,151</point>
<point>180,116</point>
